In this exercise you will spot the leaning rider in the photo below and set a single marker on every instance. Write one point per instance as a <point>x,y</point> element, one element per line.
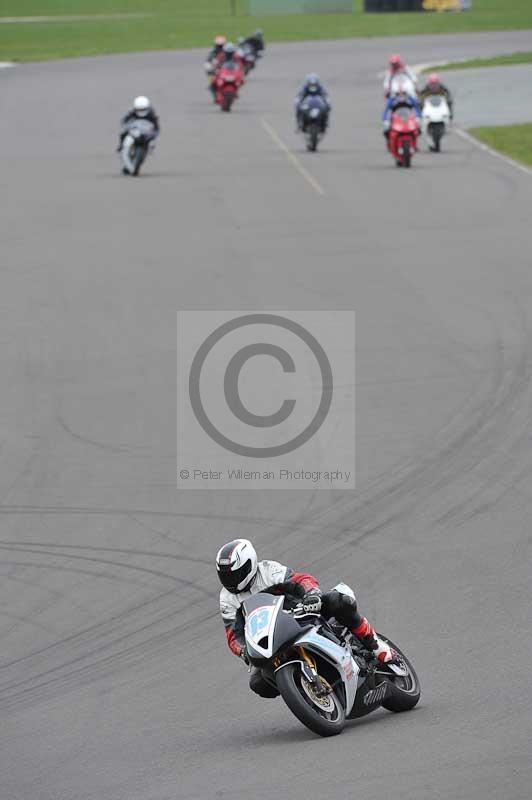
<point>142,109</point>
<point>242,575</point>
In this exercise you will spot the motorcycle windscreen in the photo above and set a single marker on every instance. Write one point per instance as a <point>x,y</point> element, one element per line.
<point>404,113</point>
<point>261,612</point>
<point>313,104</point>
<point>143,127</point>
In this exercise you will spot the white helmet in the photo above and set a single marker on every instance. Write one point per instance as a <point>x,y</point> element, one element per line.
<point>236,564</point>
<point>141,105</point>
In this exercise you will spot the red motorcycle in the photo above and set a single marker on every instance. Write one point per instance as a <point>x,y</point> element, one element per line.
<point>403,135</point>
<point>228,81</point>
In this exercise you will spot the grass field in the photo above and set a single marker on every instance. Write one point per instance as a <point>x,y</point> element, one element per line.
<point>512,140</point>
<point>190,23</point>
<point>498,61</point>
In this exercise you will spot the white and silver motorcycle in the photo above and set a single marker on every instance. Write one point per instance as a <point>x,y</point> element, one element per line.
<point>323,673</point>
<point>136,144</point>
<point>436,119</point>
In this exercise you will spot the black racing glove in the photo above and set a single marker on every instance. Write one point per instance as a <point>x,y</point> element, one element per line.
<point>311,602</point>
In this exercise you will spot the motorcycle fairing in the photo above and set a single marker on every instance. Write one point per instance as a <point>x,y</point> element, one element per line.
<point>260,626</point>
<point>340,658</point>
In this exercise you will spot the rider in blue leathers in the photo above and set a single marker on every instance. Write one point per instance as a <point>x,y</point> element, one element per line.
<point>400,100</point>
<point>312,87</point>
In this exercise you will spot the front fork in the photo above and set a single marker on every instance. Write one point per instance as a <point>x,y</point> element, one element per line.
<point>310,672</point>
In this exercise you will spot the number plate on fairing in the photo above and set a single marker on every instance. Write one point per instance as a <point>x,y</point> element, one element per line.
<point>260,625</point>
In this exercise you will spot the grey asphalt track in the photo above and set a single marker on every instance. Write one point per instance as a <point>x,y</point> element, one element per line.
<point>115,680</point>
<point>492,95</point>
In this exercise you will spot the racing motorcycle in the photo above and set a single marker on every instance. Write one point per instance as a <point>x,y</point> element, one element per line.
<point>322,671</point>
<point>313,119</point>
<point>228,81</point>
<point>403,135</point>
<point>136,145</point>
<point>436,118</point>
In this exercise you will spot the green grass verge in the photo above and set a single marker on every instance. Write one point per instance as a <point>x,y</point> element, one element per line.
<point>512,140</point>
<point>190,23</point>
<point>498,61</point>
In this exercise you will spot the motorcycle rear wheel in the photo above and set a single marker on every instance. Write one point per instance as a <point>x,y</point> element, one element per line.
<point>325,721</point>
<point>406,690</point>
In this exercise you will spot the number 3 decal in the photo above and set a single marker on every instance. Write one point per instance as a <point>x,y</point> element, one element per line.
<point>258,621</point>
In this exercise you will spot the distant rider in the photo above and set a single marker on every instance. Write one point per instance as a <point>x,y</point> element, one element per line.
<point>242,575</point>
<point>396,69</point>
<point>256,41</point>
<point>142,109</point>
<point>401,100</point>
<point>215,54</point>
<point>435,86</point>
<point>229,55</point>
<point>214,59</point>
<point>232,60</point>
<point>312,87</point>
<point>236,54</point>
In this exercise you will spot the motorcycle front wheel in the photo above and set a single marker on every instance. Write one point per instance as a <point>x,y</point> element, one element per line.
<point>436,130</point>
<point>407,156</point>
<point>227,101</point>
<point>322,715</point>
<point>312,138</point>
<point>138,158</point>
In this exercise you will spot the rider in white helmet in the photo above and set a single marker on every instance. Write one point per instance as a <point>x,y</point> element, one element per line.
<point>242,575</point>
<point>142,109</point>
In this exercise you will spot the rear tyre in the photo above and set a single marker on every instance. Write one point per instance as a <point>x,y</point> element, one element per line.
<point>325,716</point>
<point>406,690</point>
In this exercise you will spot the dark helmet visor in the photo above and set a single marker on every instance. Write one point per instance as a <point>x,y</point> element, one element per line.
<point>232,578</point>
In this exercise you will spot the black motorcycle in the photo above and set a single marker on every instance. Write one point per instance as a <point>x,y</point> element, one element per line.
<point>313,116</point>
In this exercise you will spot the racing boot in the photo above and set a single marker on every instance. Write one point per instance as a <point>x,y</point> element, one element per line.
<point>366,633</point>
